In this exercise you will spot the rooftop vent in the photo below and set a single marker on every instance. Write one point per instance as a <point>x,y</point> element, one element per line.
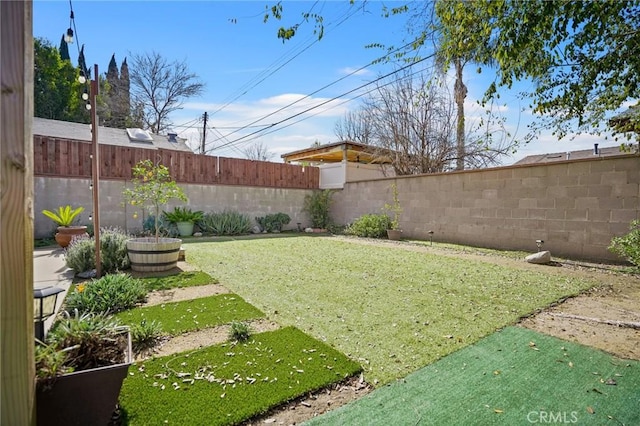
<point>139,135</point>
<point>172,137</point>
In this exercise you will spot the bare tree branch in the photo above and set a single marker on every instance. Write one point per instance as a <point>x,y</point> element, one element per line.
<point>159,88</point>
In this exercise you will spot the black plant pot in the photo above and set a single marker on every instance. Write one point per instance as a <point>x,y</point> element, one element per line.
<point>86,397</point>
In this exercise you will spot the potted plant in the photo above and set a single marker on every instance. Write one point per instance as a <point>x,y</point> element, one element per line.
<point>394,211</point>
<point>184,218</point>
<point>64,217</point>
<point>153,187</point>
<point>80,370</point>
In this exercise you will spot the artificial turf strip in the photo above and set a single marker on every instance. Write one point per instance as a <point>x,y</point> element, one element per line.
<point>513,377</point>
<point>226,384</point>
<point>393,308</point>
<point>180,280</point>
<point>195,314</point>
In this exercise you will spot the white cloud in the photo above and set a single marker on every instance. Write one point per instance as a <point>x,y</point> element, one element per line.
<point>354,71</point>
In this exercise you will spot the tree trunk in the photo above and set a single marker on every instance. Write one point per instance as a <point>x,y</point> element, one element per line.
<point>460,94</point>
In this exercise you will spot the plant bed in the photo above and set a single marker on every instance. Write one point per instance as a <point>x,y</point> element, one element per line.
<point>229,383</point>
<point>196,314</point>
<point>80,370</point>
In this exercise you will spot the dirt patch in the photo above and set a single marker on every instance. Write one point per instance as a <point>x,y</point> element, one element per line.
<point>618,301</point>
<point>203,338</point>
<point>186,293</point>
<point>314,403</point>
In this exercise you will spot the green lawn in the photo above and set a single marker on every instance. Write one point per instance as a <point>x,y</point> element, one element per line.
<point>392,309</point>
<point>183,279</point>
<point>195,314</point>
<point>513,377</point>
<point>226,384</point>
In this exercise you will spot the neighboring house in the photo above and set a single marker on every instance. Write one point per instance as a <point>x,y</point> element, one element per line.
<point>109,136</point>
<point>344,161</point>
<point>576,155</point>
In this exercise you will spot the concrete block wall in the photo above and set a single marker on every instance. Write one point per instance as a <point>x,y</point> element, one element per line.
<point>114,212</point>
<point>576,207</point>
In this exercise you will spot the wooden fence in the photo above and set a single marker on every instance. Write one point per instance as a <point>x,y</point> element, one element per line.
<point>71,158</point>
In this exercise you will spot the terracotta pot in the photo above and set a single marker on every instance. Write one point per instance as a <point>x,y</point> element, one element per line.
<point>394,234</point>
<point>66,233</point>
<point>147,255</point>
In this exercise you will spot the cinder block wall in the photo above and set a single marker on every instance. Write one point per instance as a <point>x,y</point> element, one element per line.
<point>576,207</point>
<point>114,212</point>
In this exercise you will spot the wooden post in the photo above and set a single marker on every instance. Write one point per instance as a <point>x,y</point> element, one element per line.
<point>17,370</point>
<point>95,167</point>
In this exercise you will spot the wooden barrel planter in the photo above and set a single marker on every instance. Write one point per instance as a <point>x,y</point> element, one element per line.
<point>147,255</point>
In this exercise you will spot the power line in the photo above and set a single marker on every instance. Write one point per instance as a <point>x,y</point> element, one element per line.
<point>375,61</point>
<point>244,89</point>
<point>330,100</point>
<point>336,105</point>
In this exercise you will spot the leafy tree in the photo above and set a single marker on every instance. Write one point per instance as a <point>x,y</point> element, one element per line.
<point>159,87</point>
<point>56,90</point>
<point>116,95</point>
<point>64,49</point>
<point>582,56</point>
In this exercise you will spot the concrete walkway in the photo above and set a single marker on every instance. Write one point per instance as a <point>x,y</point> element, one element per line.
<point>49,270</point>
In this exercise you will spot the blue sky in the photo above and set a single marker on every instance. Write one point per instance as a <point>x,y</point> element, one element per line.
<point>230,48</point>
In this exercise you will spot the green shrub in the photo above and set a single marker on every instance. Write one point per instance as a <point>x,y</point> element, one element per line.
<point>80,254</point>
<point>182,214</point>
<point>109,294</point>
<point>239,331</point>
<point>145,335</point>
<point>317,204</point>
<point>90,340</point>
<point>165,228</point>
<point>113,250</point>
<point>628,246</point>
<point>225,223</point>
<point>273,222</point>
<point>370,225</point>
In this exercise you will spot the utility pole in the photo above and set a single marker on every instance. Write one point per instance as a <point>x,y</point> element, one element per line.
<point>204,132</point>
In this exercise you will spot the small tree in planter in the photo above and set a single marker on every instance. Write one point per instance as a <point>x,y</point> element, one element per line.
<point>153,187</point>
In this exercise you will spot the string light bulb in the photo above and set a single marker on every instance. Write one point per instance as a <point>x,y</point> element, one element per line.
<point>90,217</point>
<point>88,106</point>
<point>68,37</point>
<point>85,95</point>
<point>82,79</point>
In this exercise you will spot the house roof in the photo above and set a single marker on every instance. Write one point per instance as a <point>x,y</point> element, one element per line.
<point>106,135</point>
<point>573,155</point>
<point>355,152</point>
